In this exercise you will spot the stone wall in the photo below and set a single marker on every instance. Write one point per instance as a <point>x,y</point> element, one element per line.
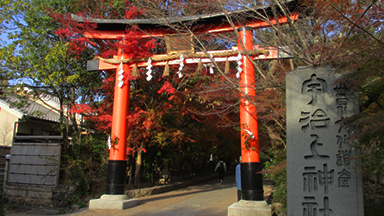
<point>37,195</point>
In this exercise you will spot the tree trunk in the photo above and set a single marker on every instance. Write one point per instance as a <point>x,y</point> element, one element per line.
<point>138,165</point>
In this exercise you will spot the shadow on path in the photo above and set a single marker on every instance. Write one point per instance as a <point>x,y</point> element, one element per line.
<point>196,189</point>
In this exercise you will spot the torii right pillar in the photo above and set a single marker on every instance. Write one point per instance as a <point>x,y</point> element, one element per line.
<point>252,200</point>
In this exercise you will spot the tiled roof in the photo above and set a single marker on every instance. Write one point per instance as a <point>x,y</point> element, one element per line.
<point>35,109</point>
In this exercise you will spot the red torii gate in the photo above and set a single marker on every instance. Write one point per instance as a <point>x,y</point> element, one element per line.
<point>252,188</point>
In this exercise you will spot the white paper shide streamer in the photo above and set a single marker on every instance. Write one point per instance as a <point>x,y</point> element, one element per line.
<point>121,76</point>
<point>239,70</point>
<point>211,66</point>
<point>181,66</point>
<point>149,69</point>
<point>109,142</point>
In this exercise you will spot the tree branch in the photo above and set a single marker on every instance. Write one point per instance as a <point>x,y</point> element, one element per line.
<point>356,25</point>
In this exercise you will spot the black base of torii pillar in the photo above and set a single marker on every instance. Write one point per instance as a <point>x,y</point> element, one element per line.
<point>251,181</point>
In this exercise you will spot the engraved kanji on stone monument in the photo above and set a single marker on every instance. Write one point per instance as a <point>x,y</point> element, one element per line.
<point>341,126</point>
<point>341,99</point>
<point>322,168</point>
<point>344,177</point>
<point>313,146</point>
<point>326,177</point>
<point>318,119</point>
<point>313,86</point>
<point>343,140</point>
<point>310,206</point>
<point>343,158</point>
<point>326,211</point>
<point>310,179</point>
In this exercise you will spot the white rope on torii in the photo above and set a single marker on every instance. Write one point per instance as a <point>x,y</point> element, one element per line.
<point>226,53</point>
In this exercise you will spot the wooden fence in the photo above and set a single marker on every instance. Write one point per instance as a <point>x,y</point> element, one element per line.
<point>35,160</point>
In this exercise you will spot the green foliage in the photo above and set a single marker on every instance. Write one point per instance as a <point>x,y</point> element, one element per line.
<point>84,164</point>
<point>279,200</point>
<point>39,59</point>
<point>276,169</point>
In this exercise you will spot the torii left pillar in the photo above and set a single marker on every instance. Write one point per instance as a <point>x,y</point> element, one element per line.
<point>114,197</point>
<point>252,201</point>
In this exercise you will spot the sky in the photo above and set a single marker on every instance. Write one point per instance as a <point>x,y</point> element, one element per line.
<point>3,39</point>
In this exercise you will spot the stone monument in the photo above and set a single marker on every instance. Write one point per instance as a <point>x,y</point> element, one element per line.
<point>323,176</point>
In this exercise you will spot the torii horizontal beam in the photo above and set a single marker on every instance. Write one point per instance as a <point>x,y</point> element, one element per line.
<point>112,64</point>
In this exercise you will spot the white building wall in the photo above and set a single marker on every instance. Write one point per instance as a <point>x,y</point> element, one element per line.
<point>7,119</point>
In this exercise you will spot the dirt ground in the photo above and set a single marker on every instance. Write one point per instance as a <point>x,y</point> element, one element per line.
<point>225,193</point>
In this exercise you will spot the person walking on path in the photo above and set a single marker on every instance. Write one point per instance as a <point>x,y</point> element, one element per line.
<point>238,180</point>
<point>221,168</point>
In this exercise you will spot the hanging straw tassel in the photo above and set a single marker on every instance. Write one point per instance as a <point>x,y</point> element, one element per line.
<point>226,70</point>
<point>166,70</point>
<point>199,67</point>
<point>135,71</point>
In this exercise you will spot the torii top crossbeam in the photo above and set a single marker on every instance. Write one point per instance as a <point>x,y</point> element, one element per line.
<point>199,24</point>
